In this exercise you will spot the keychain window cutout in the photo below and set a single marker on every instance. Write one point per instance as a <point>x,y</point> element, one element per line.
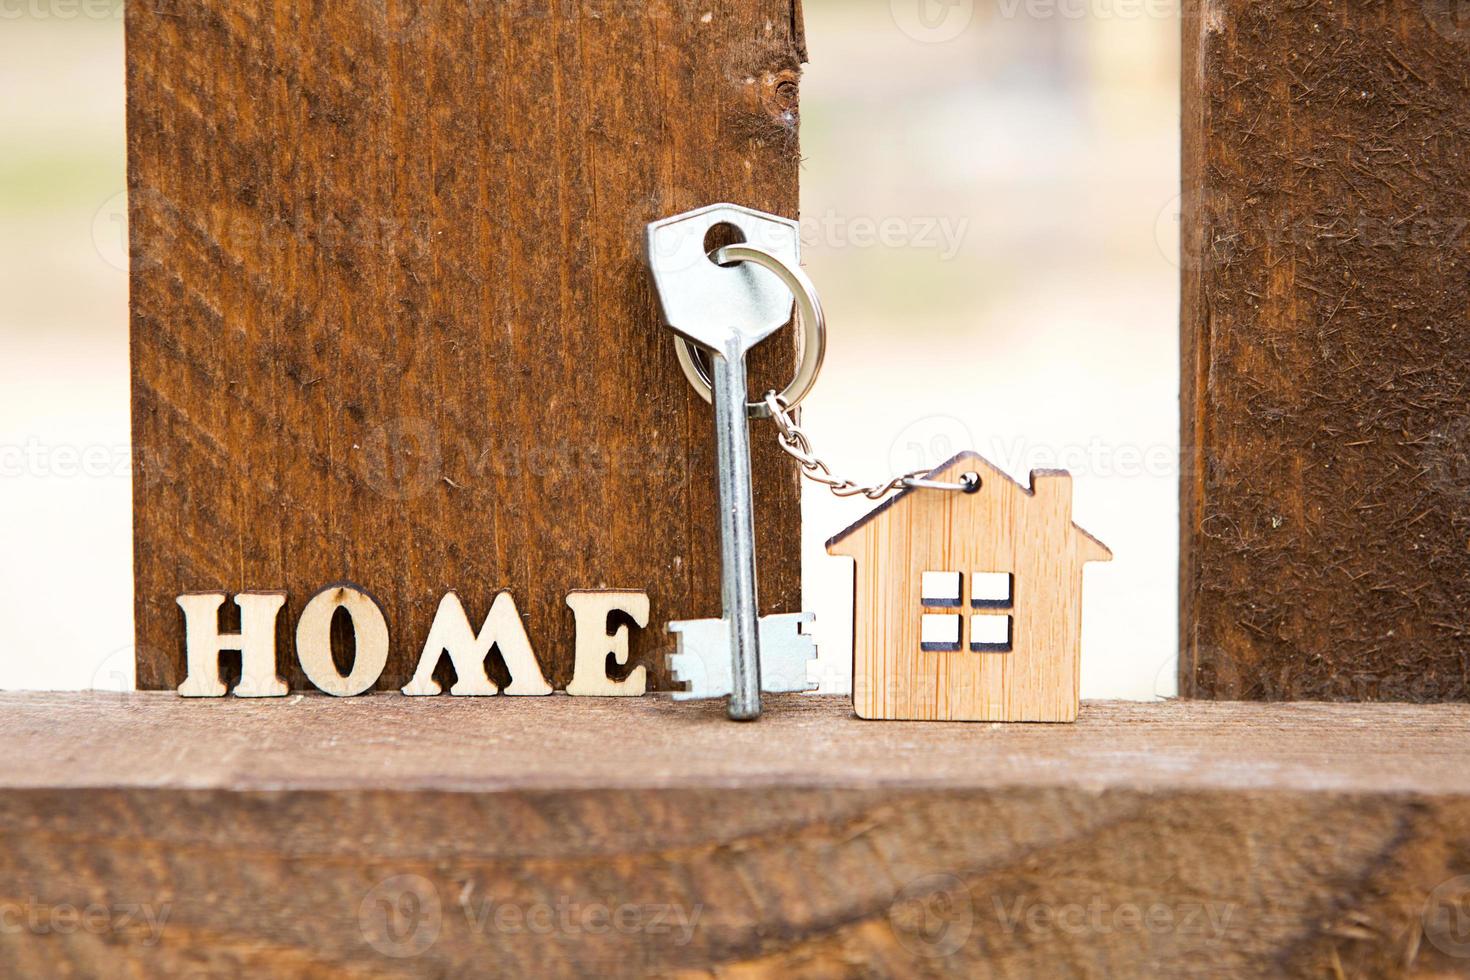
<point>992,590</point>
<point>939,632</point>
<point>990,633</point>
<point>940,589</point>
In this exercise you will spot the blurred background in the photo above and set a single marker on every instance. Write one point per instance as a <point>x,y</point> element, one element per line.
<point>990,209</point>
<point>991,218</point>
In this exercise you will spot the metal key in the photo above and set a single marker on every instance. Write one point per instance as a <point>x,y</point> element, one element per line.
<point>786,653</point>
<point>728,310</point>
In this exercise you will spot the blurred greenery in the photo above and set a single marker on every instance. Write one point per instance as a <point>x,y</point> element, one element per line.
<point>38,180</point>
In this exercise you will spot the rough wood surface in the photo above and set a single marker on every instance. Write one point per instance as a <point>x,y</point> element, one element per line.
<point>1028,671</point>
<point>396,837</point>
<point>390,320</point>
<point>1326,282</point>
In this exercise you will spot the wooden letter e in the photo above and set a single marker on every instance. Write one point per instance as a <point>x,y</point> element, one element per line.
<point>594,643</point>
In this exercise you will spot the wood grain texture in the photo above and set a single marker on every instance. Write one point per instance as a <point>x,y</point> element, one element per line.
<point>1325,286</point>
<point>402,837</point>
<point>1001,529</point>
<point>390,320</point>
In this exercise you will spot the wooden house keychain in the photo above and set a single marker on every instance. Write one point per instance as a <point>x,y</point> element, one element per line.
<point>968,593</point>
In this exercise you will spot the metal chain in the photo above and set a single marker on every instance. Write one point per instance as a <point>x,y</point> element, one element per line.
<point>796,445</point>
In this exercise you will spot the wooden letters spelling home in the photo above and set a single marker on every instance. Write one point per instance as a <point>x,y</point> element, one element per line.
<point>450,634</point>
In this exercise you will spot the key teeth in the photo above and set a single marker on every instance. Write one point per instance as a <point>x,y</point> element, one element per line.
<point>687,666</point>
<point>787,653</point>
<point>808,654</point>
<point>681,670</point>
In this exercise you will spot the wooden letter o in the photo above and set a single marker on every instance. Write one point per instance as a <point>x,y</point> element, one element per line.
<point>370,639</point>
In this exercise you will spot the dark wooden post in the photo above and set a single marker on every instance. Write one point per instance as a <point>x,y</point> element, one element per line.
<point>1326,351</point>
<point>390,321</point>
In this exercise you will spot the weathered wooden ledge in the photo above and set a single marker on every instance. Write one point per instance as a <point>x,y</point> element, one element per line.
<point>388,836</point>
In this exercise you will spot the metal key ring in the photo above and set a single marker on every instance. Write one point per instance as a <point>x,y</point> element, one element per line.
<point>813,337</point>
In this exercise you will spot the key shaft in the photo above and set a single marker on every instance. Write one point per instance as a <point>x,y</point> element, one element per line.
<point>737,532</point>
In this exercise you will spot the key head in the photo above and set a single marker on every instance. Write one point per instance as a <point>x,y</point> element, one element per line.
<point>727,309</point>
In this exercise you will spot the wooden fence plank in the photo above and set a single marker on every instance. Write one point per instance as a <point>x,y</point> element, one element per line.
<point>417,837</point>
<point>390,321</point>
<point>1325,534</point>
